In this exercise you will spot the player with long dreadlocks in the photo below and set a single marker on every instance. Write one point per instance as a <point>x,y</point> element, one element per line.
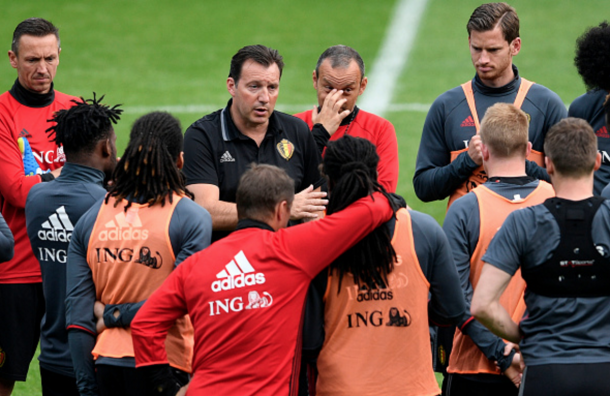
<point>371,318</point>
<point>86,133</point>
<point>124,248</point>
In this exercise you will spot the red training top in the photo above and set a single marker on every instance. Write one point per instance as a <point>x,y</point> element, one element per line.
<point>245,296</point>
<point>19,120</point>
<point>376,130</point>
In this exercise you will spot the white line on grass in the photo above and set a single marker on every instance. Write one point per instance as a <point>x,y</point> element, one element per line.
<point>290,109</point>
<point>393,55</point>
<point>206,109</point>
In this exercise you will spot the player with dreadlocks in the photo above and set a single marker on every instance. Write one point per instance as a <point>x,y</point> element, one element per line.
<point>86,133</point>
<point>371,317</point>
<point>606,191</point>
<point>123,249</point>
<point>592,60</point>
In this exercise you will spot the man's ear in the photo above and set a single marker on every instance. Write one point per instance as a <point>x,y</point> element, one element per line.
<point>363,85</point>
<point>515,46</point>
<point>598,161</point>
<point>106,148</point>
<point>180,161</point>
<point>484,152</point>
<point>528,150</point>
<point>231,86</point>
<point>314,77</point>
<point>12,57</point>
<point>550,167</point>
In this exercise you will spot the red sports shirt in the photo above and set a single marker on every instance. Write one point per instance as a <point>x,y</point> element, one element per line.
<point>18,120</point>
<point>245,296</point>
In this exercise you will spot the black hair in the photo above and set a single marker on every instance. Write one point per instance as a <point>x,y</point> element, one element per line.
<point>258,53</point>
<point>592,58</point>
<point>147,171</point>
<point>351,167</point>
<point>341,56</point>
<point>83,125</point>
<point>37,27</point>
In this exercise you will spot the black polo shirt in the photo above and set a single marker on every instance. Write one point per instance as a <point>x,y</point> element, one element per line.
<point>216,152</point>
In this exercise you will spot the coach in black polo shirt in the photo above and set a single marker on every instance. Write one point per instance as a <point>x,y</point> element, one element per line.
<point>219,147</point>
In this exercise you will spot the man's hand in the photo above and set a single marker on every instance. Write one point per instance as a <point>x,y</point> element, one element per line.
<point>183,390</point>
<point>514,372</point>
<point>307,203</point>
<point>474,149</point>
<point>98,310</point>
<point>330,115</point>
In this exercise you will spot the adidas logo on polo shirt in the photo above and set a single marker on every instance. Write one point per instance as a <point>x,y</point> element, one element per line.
<point>227,157</point>
<point>238,273</point>
<point>124,227</point>
<point>58,228</point>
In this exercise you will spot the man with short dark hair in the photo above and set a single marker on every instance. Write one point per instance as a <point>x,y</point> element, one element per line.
<point>562,250</point>
<point>592,61</point>
<point>449,160</point>
<point>219,147</point>
<point>481,363</point>
<point>338,80</point>
<point>52,209</point>
<point>24,111</point>
<point>245,293</point>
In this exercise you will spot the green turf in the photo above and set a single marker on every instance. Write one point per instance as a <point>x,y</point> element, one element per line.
<point>156,53</point>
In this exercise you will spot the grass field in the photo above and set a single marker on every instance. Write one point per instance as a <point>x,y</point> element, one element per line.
<point>153,54</point>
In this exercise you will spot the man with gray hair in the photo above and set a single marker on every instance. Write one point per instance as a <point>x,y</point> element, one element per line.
<point>338,80</point>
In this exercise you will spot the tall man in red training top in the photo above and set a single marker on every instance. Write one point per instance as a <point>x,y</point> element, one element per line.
<point>449,160</point>
<point>245,293</point>
<point>24,111</point>
<point>339,79</point>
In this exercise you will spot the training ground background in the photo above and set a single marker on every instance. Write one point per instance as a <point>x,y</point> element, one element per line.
<point>174,55</point>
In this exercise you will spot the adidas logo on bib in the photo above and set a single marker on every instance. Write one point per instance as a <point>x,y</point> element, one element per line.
<point>124,227</point>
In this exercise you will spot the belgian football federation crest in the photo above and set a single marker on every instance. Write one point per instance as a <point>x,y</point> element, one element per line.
<point>529,118</point>
<point>285,148</point>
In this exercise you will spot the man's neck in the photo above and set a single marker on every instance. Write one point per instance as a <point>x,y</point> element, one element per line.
<point>500,167</point>
<point>573,189</point>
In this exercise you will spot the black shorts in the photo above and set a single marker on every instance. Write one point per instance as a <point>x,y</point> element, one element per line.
<point>566,379</point>
<point>478,385</point>
<point>54,384</point>
<point>128,381</point>
<point>21,310</point>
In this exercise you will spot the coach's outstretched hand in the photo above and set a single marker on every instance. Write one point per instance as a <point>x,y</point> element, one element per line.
<point>308,204</point>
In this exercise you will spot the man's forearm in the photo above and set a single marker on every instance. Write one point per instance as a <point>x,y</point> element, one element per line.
<point>439,182</point>
<point>81,345</point>
<point>224,214</point>
<point>495,317</point>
